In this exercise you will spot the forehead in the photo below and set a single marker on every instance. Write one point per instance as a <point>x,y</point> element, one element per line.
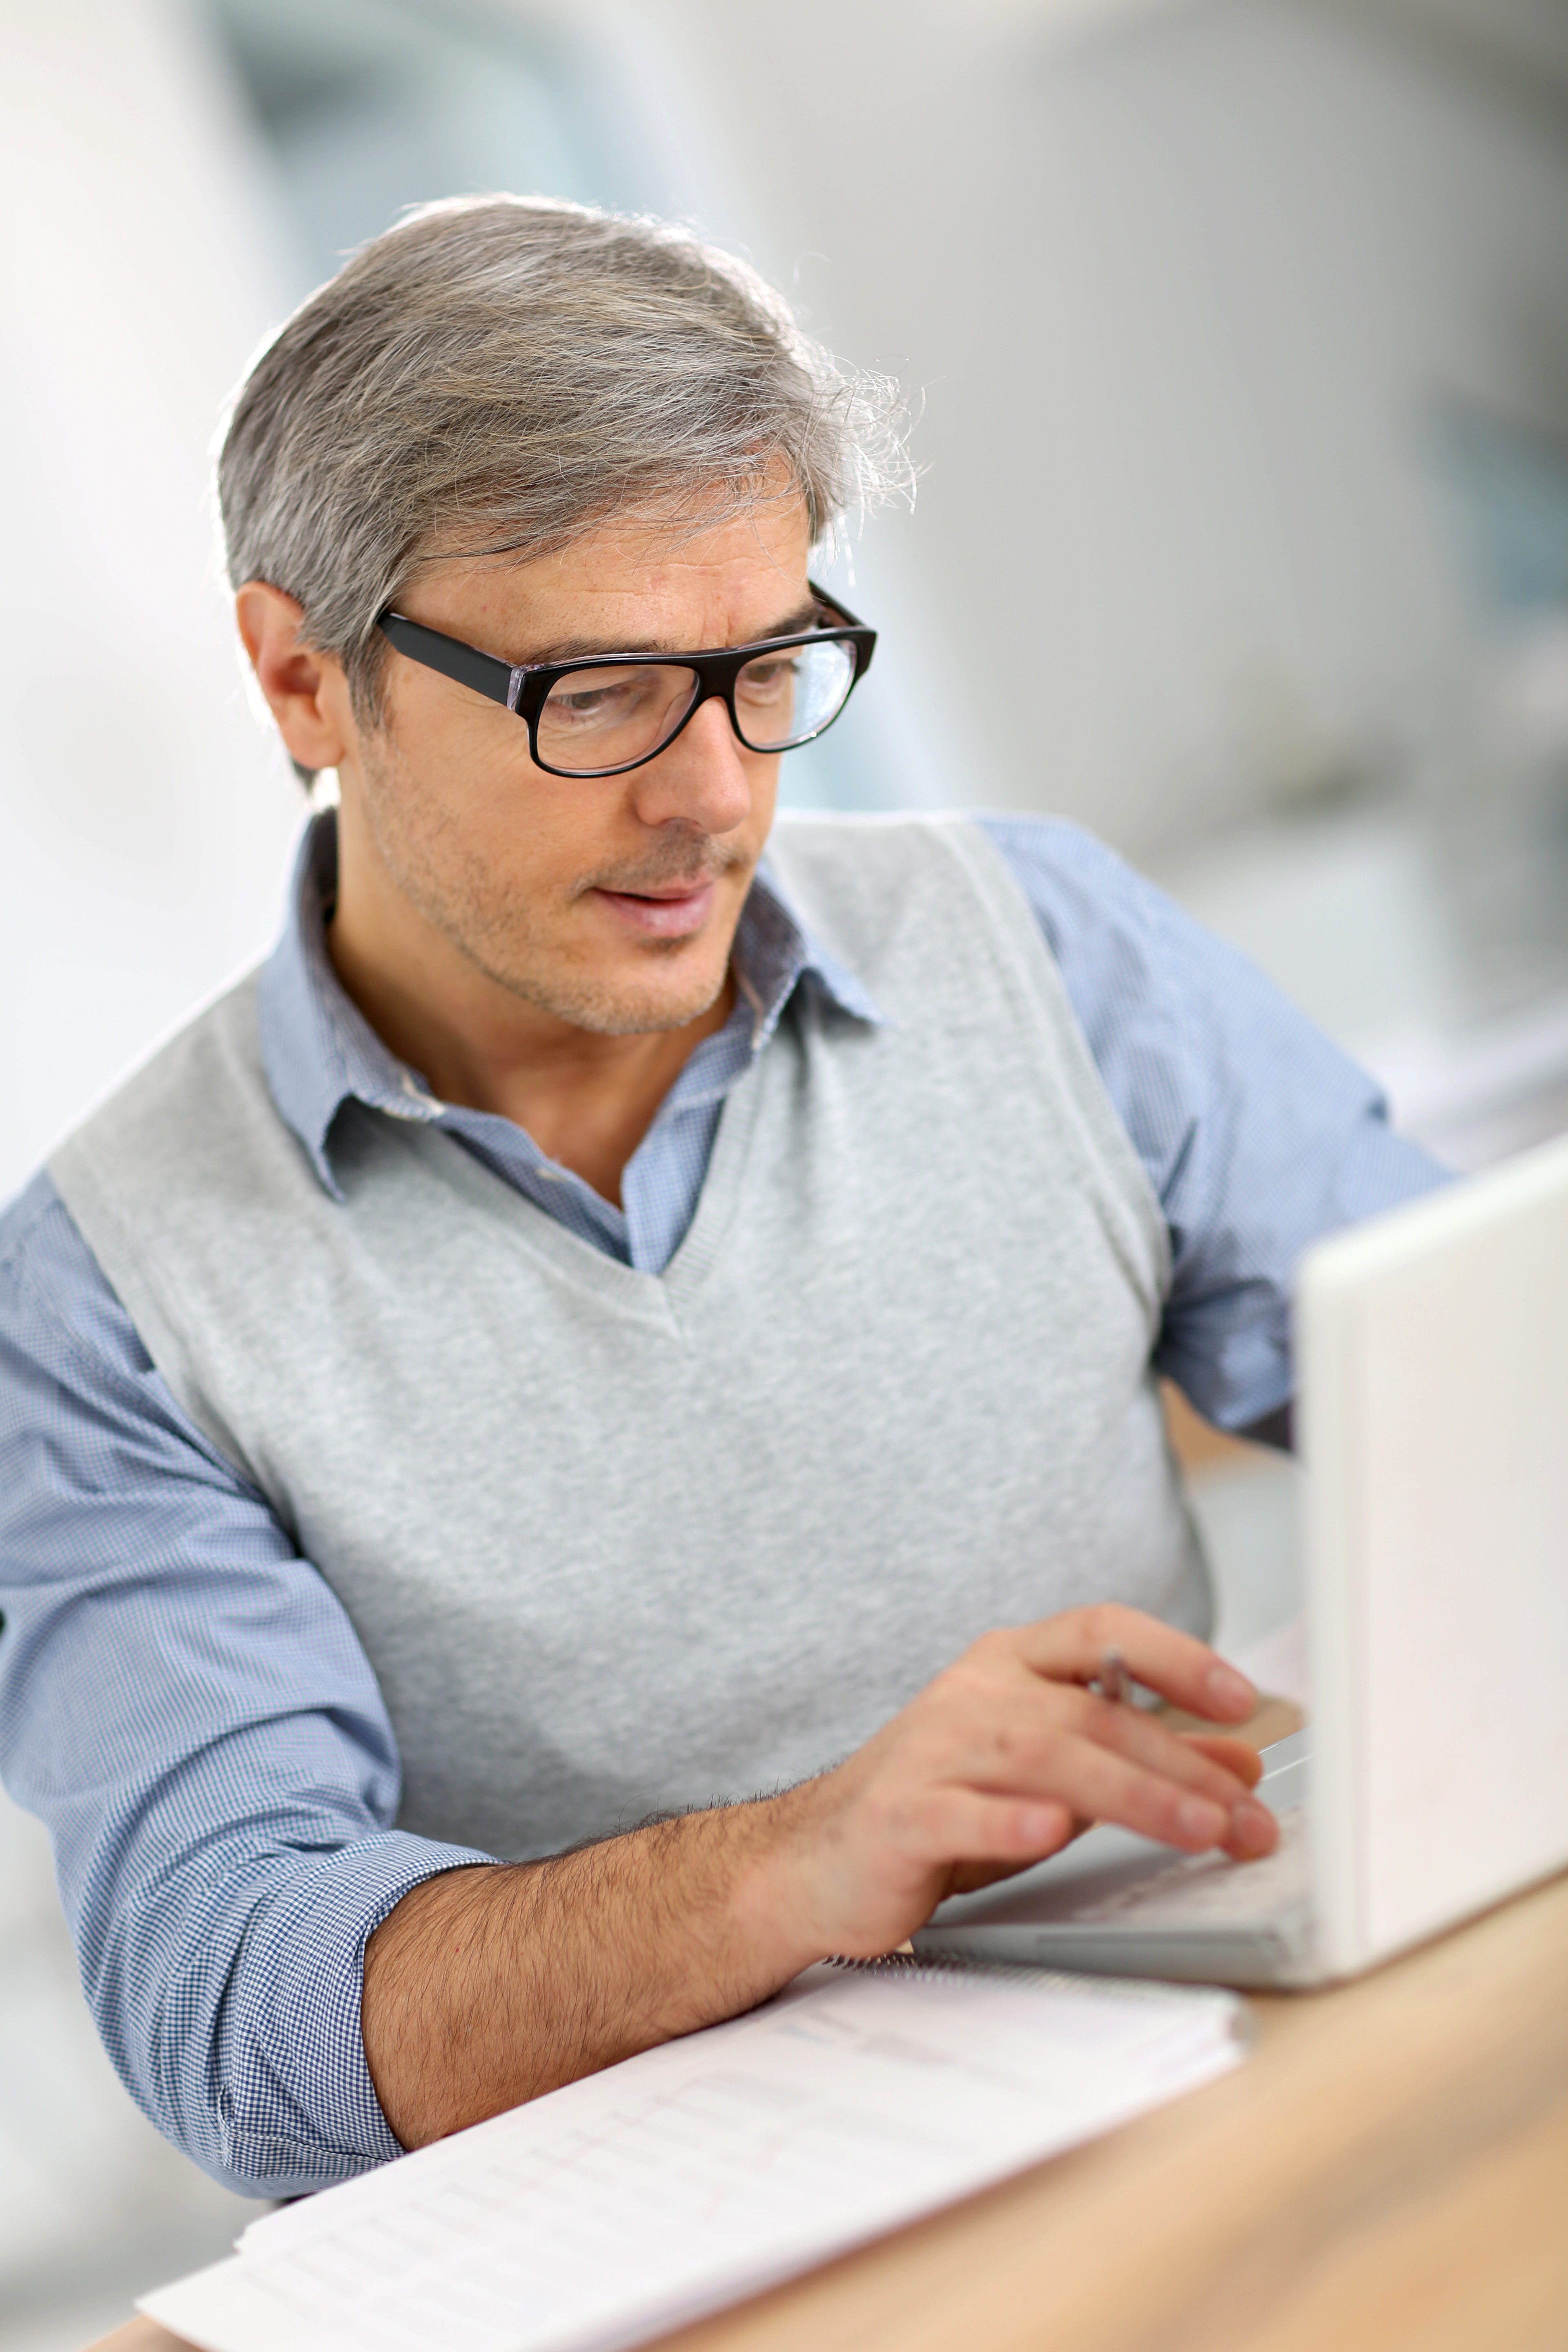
<point>630,584</point>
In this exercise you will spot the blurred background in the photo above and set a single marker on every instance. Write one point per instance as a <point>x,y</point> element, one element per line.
<point>1238,332</point>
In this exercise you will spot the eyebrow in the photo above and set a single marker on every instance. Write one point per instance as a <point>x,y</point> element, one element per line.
<point>569,649</point>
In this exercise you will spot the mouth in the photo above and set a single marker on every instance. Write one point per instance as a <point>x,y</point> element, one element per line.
<point>669,910</point>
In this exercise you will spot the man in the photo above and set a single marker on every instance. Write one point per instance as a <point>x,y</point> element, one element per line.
<point>576,1360</point>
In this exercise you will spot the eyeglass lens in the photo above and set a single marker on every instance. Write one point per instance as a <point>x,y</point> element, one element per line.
<point>594,719</point>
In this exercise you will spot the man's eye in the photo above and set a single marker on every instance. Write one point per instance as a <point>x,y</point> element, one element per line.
<point>593,702</point>
<point>601,702</point>
<point>760,679</point>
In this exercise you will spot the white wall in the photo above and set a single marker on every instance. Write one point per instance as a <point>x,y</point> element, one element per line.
<point>144,828</point>
<point>144,821</point>
<point>1181,300</point>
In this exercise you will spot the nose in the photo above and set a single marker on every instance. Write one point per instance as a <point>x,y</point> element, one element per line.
<point>700,781</point>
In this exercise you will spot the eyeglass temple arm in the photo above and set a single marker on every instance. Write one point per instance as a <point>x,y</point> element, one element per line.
<point>465,664</point>
<point>846,617</point>
<point>867,641</point>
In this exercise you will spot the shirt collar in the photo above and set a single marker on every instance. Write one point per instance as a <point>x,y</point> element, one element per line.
<point>319,1051</point>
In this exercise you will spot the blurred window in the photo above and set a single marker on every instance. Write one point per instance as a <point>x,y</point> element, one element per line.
<point>365,106</point>
<point>1512,484</point>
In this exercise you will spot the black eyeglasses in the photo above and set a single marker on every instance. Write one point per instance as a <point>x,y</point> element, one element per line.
<point>609,712</point>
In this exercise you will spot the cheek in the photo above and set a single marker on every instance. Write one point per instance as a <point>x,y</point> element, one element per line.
<point>474,801</point>
<point>513,851</point>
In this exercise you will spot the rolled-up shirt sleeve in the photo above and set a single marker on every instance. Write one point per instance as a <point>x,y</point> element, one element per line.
<point>186,1704</point>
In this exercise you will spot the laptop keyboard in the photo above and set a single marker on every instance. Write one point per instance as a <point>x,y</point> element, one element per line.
<point>1209,1889</point>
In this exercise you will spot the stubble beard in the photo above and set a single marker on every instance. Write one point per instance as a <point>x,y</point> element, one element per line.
<point>498,935</point>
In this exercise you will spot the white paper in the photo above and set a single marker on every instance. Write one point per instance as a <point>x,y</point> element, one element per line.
<point>700,2172</point>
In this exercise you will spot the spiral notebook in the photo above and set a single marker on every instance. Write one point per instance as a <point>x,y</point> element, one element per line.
<point>683,2179</point>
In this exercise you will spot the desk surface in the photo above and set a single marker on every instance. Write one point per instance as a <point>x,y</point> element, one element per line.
<point>1388,2173</point>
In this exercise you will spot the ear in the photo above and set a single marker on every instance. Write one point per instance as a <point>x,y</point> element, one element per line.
<point>306,692</point>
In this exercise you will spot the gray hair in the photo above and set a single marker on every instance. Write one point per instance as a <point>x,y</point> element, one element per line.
<point>500,374</point>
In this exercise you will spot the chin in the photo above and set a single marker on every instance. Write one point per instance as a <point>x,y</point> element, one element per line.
<point>640,1001</point>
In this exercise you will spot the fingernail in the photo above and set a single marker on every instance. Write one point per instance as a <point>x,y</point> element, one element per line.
<point>1252,1826</point>
<point>1197,1819</point>
<point>1229,1690</point>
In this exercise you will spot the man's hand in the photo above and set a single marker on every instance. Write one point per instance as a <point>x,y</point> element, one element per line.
<point>489,1986</point>
<point>1005,1757</point>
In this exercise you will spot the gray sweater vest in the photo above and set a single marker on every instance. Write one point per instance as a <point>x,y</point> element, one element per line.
<point>619,1543</point>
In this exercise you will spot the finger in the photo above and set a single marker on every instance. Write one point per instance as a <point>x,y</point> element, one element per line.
<point>1252,1830</point>
<point>958,1825</point>
<point>1108,1786</point>
<point>1072,1647</point>
<point>1236,1756</point>
<point>1110,1764</point>
<point>1019,1741</point>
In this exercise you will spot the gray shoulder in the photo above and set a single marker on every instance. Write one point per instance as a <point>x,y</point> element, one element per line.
<point>189,1104</point>
<point>864,883</point>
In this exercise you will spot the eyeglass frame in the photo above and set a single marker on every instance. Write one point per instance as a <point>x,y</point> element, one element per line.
<point>524,688</point>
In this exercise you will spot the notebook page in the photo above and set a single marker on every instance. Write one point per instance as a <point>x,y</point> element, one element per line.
<point>699,2172</point>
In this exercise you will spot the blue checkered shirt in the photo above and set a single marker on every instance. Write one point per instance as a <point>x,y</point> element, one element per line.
<point>182,1698</point>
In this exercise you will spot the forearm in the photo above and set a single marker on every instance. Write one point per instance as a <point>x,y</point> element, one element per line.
<point>484,1988</point>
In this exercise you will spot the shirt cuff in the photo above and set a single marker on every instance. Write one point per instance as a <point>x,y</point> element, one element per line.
<point>296,2108</point>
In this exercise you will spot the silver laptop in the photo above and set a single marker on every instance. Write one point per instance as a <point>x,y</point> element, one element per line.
<point>1433,1779</point>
